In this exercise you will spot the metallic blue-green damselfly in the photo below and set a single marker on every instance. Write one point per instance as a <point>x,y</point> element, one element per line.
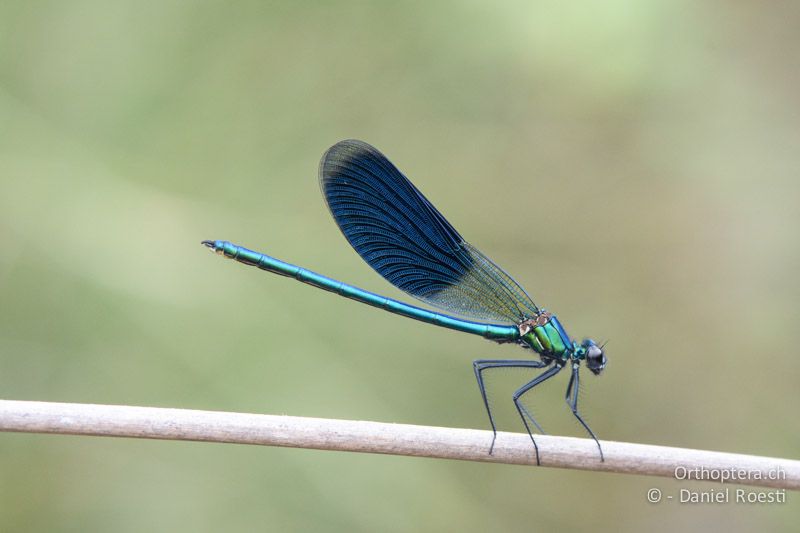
<point>399,233</point>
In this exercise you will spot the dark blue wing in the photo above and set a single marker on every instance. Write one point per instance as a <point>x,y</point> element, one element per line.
<point>397,231</point>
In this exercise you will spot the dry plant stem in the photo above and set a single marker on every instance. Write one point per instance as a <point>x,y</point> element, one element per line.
<point>375,437</point>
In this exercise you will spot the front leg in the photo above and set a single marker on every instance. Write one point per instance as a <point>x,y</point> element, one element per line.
<point>572,401</point>
<point>485,364</point>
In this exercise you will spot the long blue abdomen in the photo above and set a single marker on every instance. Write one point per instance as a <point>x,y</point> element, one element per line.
<point>496,332</point>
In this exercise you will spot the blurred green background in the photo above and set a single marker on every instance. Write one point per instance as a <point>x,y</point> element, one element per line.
<point>633,164</point>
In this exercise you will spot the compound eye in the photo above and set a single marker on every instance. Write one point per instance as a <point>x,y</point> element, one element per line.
<point>595,359</point>
<point>594,354</point>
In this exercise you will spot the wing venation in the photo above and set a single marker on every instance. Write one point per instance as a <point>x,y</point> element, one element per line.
<point>401,235</point>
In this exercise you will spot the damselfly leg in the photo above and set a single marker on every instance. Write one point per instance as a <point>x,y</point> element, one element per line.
<point>524,412</point>
<point>572,401</point>
<point>485,364</point>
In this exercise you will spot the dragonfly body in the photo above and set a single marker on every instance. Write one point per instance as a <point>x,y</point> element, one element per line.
<point>399,233</point>
<point>544,334</point>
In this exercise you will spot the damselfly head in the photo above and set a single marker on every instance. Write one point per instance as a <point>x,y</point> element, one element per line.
<point>595,357</point>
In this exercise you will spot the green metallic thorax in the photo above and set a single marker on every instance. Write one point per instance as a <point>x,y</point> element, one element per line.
<point>546,336</point>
